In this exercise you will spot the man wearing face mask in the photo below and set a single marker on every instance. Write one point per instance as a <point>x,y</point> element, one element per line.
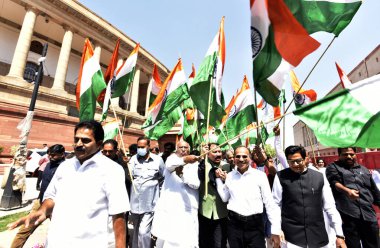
<point>355,192</point>
<point>303,195</point>
<point>147,171</point>
<point>56,155</point>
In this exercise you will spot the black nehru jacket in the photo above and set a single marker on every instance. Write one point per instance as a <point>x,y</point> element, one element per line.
<point>302,208</point>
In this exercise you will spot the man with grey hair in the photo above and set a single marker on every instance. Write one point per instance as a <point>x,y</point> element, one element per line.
<point>175,222</point>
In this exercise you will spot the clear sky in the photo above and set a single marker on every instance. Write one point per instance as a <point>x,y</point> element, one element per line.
<point>171,29</point>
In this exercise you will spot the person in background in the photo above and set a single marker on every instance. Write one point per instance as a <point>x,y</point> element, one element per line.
<point>230,159</point>
<point>169,148</point>
<point>56,157</point>
<point>44,160</point>
<point>355,194</point>
<point>147,171</point>
<point>155,150</point>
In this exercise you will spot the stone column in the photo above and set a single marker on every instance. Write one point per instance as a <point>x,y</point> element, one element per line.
<point>23,44</point>
<point>147,97</point>
<point>135,91</point>
<point>63,60</point>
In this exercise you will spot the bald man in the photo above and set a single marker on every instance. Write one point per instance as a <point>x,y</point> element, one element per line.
<point>175,222</point>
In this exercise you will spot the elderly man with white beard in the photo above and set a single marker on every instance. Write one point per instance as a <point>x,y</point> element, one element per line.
<point>175,222</point>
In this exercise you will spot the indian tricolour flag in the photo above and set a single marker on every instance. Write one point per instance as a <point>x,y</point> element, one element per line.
<point>279,43</point>
<point>110,129</point>
<point>301,97</point>
<point>125,74</point>
<point>348,118</point>
<point>90,83</point>
<point>165,110</point>
<point>188,103</point>
<point>156,85</point>
<point>280,36</point>
<point>344,80</point>
<point>209,77</point>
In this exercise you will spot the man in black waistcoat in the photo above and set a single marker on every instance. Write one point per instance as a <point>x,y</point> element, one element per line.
<point>355,192</point>
<point>303,195</point>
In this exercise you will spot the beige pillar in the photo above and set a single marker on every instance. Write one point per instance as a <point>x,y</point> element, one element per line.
<point>63,61</point>
<point>23,44</point>
<point>97,52</point>
<point>147,97</point>
<point>135,91</point>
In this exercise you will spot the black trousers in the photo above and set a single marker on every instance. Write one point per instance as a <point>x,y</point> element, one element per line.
<point>245,232</point>
<point>356,230</point>
<point>212,233</point>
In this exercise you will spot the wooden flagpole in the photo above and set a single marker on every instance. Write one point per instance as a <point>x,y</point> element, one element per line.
<point>123,147</point>
<point>311,144</point>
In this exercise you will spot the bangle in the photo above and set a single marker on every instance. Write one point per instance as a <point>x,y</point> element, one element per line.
<point>340,237</point>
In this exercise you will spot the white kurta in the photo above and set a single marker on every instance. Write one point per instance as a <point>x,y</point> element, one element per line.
<point>176,214</point>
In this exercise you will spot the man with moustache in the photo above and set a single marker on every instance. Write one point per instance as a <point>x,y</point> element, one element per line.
<point>84,192</point>
<point>355,192</point>
<point>175,222</point>
<point>247,191</point>
<point>303,195</point>
<point>212,210</point>
<point>148,171</point>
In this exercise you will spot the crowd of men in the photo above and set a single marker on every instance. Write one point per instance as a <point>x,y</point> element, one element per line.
<point>207,198</point>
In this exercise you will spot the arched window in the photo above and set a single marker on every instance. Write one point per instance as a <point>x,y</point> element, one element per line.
<point>36,47</point>
<point>30,71</point>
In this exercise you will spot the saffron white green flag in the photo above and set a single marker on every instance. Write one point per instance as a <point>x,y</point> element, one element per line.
<point>110,130</point>
<point>164,111</point>
<point>303,97</point>
<point>125,74</point>
<point>348,118</point>
<point>90,83</point>
<point>209,77</point>
<point>280,36</point>
<point>344,80</point>
<point>156,85</point>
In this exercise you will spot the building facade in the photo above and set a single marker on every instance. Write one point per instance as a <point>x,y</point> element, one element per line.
<point>304,136</point>
<point>25,25</point>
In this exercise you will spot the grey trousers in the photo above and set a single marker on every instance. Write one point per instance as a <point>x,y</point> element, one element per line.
<point>142,224</point>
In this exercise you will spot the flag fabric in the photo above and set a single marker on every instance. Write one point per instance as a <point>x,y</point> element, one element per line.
<point>348,118</point>
<point>280,36</point>
<point>263,133</point>
<point>268,114</point>
<point>125,74</point>
<point>188,103</point>
<point>90,83</point>
<point>242,112</point>
<point>156,85</point>
<point>162,116</point>
<point>344,80</point>
<point>209,74</point>
<point>330,16</point>
<point>303,97</point>
<point>111,129</point>
<point>279,43</point>
<point>111,70</point>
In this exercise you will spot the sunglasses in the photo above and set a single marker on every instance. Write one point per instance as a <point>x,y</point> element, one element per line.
<point>241,156</point>
<point>295,161</point>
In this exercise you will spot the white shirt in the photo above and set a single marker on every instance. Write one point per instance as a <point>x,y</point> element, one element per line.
<point>176,213</point>
<point>280,154</point>
<point>328,203</point>
<point>247,194</point>
<point>85,195</point>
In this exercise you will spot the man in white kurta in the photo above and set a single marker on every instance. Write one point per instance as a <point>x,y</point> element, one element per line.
<point>175,222</point>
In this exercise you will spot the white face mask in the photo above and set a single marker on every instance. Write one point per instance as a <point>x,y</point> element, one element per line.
<point>141,152</point>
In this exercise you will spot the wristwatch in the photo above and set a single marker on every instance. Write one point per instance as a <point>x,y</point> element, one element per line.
<point>340,237</point>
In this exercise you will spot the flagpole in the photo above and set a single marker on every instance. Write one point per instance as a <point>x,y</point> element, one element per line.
<point>226,137</point>
<point>208,133</point>
<point>311,144</point>
<point>123,147</point>
<point>283,128</point>
<point>125,119</point>
<point>257,116</point>
<point>307,77</point>
<point>247,131</point>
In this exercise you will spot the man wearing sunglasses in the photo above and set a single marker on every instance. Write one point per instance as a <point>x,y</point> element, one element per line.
<point>247,191</point>
<point>303,195</point>
<point>355,191</point>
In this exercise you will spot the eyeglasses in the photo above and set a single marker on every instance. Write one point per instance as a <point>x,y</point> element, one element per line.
<point>241,156</point>
<point>295,161</point>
